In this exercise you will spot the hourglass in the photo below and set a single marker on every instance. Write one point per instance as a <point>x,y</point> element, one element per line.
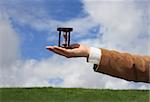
<point>64,33</point>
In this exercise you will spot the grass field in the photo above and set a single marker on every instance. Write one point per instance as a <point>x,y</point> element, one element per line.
<point>71,95</point>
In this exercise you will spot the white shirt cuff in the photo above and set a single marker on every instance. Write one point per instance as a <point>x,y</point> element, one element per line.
<point>94,55</point>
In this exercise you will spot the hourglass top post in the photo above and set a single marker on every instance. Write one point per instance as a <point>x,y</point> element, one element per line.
<point>65,29</point>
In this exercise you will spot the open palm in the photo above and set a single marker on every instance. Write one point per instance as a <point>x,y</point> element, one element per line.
<point>75,50</point>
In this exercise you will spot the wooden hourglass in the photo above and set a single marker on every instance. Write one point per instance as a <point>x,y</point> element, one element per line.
<point>65,33</point>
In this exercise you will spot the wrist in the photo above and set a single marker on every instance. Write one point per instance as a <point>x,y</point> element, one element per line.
<point>94,55</point>
<point>87,52</point>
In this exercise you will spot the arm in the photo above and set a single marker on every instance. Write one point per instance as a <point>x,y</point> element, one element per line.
<point>122,65</point>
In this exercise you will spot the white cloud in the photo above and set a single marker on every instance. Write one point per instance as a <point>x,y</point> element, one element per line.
<point>73,72</point>
<point>8,41</point>
<point>122,23</point>
<point>9,50</point>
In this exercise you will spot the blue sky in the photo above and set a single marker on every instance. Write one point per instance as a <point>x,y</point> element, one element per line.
<point>28,26</point>
<point>32,40</point>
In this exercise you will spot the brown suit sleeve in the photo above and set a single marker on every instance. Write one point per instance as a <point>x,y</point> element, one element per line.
<point>124,65</point>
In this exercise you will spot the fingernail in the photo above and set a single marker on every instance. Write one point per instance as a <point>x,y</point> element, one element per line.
<point>49,47</point>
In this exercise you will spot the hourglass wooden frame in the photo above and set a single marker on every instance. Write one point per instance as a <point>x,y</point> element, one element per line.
<point>66,35</point>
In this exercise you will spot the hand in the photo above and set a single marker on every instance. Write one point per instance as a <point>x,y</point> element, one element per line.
<point>75,50</point>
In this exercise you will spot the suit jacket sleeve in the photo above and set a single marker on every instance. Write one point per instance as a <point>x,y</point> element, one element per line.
<point>124,65</point>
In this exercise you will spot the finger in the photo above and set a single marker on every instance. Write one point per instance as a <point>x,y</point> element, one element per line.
<point>59,52</point>
<point>49,47</point>
<point>67,52</point>
<point>63,50</point>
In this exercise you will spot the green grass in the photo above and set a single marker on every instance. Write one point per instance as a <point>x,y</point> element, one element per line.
<point>71,95</point>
